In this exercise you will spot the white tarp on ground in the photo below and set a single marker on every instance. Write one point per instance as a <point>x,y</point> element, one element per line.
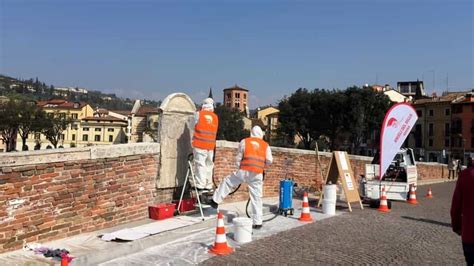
<point>130,234</point>
<point>193,248</point>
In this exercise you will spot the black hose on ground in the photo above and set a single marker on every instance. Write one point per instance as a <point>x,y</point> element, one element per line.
<point>266,220</point>
<point>248,203</point>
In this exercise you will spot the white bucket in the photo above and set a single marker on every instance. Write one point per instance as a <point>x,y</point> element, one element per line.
<point>329,207</point>
<point>330,192</point>
<point>242,229</point>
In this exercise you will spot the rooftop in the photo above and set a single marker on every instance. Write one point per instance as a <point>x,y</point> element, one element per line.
<point>147,110</point>
<point>235,87</point>
<point>104,118</point>
<point>450,97</point>
<point>60,104</point>
<point>122,112</point>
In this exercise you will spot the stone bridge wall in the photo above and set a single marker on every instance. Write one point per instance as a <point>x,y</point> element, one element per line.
<point>52,194</point>
<point>303,166</point>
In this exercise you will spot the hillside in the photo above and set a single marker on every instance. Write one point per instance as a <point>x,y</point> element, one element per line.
<point>33,89</point>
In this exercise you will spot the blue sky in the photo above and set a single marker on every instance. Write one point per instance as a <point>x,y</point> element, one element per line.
<point>148,49</point>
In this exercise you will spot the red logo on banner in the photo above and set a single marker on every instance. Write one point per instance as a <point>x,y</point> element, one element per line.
<point>392,122</point>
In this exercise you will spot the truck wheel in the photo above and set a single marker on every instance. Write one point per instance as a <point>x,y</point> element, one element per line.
<point>374,204</point>
<point>389,204</point>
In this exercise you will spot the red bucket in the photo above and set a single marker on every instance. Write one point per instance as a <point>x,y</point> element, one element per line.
<point>186,204</point>
<point>161,211</point>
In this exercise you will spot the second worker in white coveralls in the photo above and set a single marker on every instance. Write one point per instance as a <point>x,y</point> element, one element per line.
<point>253,156</point>
<point>204,141</point>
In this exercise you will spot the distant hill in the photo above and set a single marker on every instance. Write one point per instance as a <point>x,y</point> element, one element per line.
<point>33,89</point>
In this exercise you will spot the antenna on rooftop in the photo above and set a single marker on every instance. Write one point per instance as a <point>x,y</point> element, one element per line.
<point>447,82</point>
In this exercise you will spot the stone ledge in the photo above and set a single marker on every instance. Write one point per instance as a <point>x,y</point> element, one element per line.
<point>431,163</point>
<point>99,152</point>
<point>77,154</point>
<point>235,145</point>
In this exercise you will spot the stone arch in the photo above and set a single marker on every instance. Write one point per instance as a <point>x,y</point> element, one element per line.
<point>174,135</point>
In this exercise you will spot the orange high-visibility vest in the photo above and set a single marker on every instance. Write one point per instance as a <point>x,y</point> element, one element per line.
<point>254,155</point>
<point>205,130</point>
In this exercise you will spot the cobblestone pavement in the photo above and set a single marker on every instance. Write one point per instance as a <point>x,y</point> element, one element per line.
<point>409,234</point>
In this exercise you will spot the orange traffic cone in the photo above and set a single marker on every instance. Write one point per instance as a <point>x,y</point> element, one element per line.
<point>429,194</point>
<point>305,215</point>
<point>64,261</point>
<point>220,245</point>
<point>412,197</point>
<point>383,202</point>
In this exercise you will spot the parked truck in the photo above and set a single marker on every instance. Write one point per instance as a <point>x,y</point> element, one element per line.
<point>400,175</point>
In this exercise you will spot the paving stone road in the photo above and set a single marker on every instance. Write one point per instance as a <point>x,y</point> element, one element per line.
<point>409,234</point>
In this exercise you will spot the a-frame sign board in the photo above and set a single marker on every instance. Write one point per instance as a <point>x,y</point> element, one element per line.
<point>340,167</point>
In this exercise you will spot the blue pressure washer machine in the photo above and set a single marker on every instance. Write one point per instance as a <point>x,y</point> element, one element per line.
<point>286,197</point>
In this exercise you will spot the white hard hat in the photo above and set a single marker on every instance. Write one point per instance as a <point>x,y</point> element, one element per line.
<point>256,132</point>
<point>207,107</point>
<point>208,101</point>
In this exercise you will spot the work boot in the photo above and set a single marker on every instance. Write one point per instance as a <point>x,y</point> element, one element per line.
<point>257,226</point>
<point>213,204</point>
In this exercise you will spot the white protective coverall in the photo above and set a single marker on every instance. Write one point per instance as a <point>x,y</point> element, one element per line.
<point>253,180</point>
<point>203,159</point>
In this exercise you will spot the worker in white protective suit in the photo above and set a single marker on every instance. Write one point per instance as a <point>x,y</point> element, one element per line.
<point>204,142</point>
<point>253,156</point>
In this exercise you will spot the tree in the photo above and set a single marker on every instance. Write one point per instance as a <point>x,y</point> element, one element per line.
<point>295,117</point>
<point>54,127</point>
<point>31,119</point>
<point>231,124</point>
<point>365,110</point>
<point>331,115</point>
<point>330,112</point>
<point>9,122</point>
<point>153,133</point>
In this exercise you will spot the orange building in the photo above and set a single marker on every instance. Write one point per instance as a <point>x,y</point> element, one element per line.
<point>462,129</point>
<point>432,129</point>
<point>236,97</point>
<point>445,127</point>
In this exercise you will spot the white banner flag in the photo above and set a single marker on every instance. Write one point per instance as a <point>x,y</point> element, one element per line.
<point>396,126</point>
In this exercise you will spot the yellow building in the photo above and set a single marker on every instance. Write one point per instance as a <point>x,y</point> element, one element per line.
<point>102,129</point>
<point>268,117</point>
<point>88,127</point>
<point>144,123</point>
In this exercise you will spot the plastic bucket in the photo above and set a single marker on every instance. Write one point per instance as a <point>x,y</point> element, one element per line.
<point>330,192</point>
<point>242,229</point>
<point>329,207</point>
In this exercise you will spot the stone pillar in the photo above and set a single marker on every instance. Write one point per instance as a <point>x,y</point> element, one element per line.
<point>174,135</point>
